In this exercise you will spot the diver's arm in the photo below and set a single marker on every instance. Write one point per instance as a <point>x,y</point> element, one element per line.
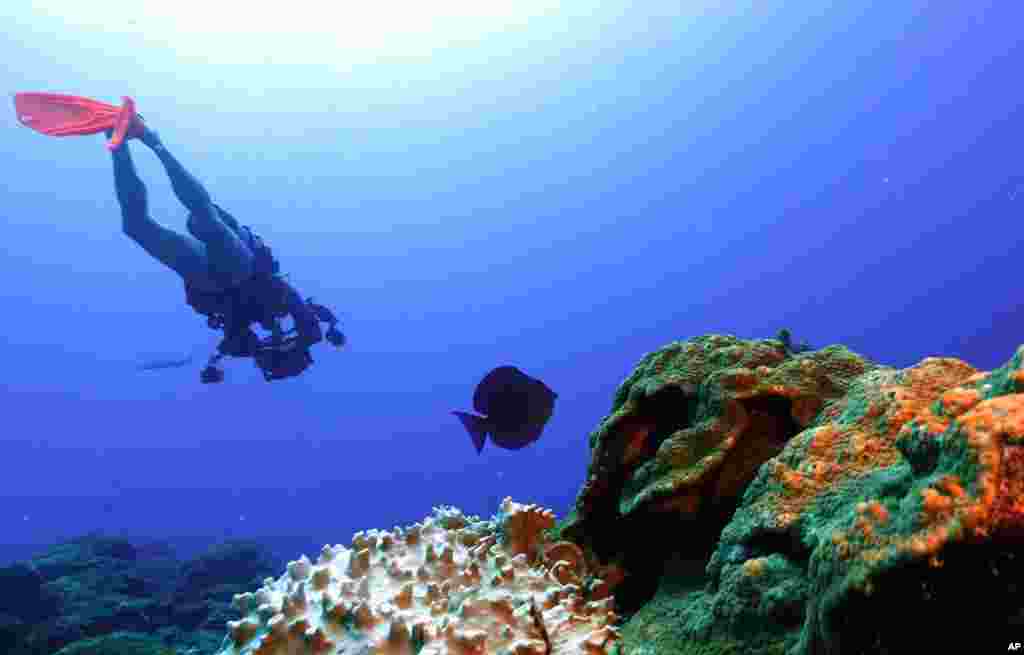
<point>189,190</point>
<point>307,325</point>
<point>131,192</point>
<point>239,341</point>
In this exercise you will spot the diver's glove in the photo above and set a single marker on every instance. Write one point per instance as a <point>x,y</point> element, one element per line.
<point>212,374</point>
<point>335,337</point>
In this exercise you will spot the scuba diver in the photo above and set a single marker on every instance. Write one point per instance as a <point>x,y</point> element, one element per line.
<point>230,274</point>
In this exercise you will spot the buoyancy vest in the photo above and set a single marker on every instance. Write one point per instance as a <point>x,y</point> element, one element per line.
<point>255,300</point>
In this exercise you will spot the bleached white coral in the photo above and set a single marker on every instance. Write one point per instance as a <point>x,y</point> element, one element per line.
<point>452,584</point>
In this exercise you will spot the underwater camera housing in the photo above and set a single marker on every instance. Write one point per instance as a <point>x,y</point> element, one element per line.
<point>280,364</point>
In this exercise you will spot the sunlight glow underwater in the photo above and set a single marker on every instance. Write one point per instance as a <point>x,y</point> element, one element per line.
<point>353,31</point>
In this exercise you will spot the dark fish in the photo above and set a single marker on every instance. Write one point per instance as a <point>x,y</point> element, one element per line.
<point>157,364</point>
<point>515,409</point>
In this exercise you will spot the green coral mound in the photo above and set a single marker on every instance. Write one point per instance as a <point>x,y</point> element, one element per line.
<point>688,430</point>
<point>693,407</point>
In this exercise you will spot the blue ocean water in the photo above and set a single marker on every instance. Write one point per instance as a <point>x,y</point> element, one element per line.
<point>558,186</point>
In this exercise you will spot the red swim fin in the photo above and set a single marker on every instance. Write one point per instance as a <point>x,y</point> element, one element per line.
<point>59,114</point>
<point>476,426</point>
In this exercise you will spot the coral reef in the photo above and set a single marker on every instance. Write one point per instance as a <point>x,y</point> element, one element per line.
<point>743,497</point>
<point>688,430</point>
<point>450,584</point>
<point>101,594</point>
<point>857,505</point>
<point>905,493</point>
<point>24,603</point>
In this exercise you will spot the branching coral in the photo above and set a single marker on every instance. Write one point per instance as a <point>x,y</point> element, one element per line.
<point>452,584</point>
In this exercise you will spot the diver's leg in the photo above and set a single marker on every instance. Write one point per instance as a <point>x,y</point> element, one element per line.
<point>230,257</point>
<point>182,253</point>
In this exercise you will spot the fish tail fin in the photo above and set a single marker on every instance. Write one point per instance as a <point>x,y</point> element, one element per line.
<point>476,426</point>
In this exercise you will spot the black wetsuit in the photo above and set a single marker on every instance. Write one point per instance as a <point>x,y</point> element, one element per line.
<point>217,259</point>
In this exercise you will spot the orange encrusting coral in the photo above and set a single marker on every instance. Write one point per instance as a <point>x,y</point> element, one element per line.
<point>835,452</point>
<point>957,401</point>
<point>858,435</point>
<point>987,507</point>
